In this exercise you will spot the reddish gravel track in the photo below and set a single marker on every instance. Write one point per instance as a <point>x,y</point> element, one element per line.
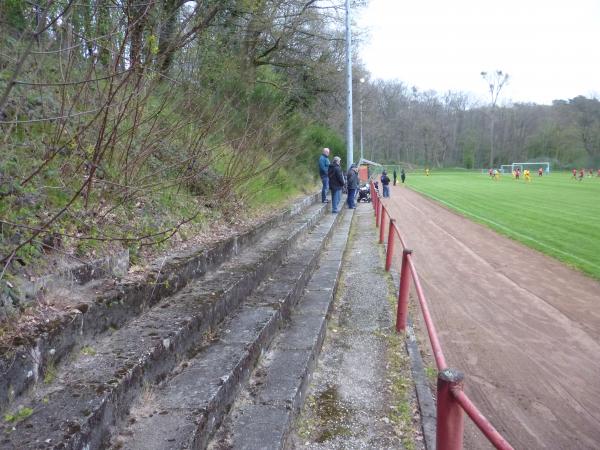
<point>523,327</point>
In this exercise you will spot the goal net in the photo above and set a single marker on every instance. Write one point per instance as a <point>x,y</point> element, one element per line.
<point>506,168</point>
<point>532,166</point>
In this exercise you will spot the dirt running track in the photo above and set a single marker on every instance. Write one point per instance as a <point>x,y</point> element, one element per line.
<point>524,328</point>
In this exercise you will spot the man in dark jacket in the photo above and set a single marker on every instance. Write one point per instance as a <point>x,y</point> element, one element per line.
<point>385,181</point>
<point>336,183</point>
<point>324,173</point>
<point>352,178</point>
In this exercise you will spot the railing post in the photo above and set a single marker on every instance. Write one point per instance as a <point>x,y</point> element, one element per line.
<point>382,225</point>
<point>375,198</point>
<point>402,313</point>
<point>390,246</point>
<point>377,211</point>
<point>450,416</point>
<point>372,195</point>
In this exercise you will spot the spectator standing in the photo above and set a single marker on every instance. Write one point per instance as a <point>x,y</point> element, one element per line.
<point>402,175</point>
<point>336,183</point>
<point>352,178</point>
<point>385,182</point>
<point>395,176</point>
<point>324,173</point>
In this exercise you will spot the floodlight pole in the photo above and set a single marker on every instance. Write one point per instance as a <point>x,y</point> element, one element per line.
<point>349,131</point>
<point>362,80</point>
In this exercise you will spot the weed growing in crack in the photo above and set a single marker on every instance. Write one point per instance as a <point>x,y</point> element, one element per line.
<point>19,415</point>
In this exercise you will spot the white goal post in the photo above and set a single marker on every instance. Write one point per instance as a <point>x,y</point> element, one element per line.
<point>532,166</point>
<point>506,168</point>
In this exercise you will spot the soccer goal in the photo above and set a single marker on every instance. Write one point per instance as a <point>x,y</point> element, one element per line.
<point>532,166</point>
<point>506,168</point>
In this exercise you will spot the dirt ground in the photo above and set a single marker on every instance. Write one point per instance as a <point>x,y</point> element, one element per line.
<point>360,396</point>
<point>523,327</point>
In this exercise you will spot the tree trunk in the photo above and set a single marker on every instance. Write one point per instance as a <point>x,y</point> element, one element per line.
<point>166,46</point>
<point>136,15</point>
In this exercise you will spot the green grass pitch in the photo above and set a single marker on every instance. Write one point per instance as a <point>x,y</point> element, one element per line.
<point>554,214</point>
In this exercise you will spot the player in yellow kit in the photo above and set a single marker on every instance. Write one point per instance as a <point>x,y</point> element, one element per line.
<point>527,175</point>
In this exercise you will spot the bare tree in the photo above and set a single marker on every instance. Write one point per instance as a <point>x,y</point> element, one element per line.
<point>496,81</point>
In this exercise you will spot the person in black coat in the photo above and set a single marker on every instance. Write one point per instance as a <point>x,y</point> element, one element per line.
<point>385,181</point>
<point>352,178</point>
<point>336,183</point>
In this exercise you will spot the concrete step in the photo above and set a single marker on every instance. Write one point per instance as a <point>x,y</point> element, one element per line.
<point>264,412</point>
<point>110,304</point>
<point>89,393</point>
<point>184,412</point>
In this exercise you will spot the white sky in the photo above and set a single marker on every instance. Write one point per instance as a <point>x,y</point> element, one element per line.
<point>550,49</point>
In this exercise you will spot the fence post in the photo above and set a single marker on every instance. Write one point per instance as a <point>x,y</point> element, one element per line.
<point>390,246</point>
<point>450,416</point>
<point>382,225</point>
<point>402,313</point>
<point>377,211</point>
<point>373,199</point>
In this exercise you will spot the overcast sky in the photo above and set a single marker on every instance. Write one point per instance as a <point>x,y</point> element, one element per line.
<point>550,49</point>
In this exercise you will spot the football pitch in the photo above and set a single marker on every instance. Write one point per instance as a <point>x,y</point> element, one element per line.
<point>554,214</point>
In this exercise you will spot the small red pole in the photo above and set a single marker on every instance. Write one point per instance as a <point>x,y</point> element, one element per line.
<point>381,224</point>
<point>402,313</point>
<point>372,196</point>
<point>377,211</point>
<point>450,416</point>
<point>390,246</point>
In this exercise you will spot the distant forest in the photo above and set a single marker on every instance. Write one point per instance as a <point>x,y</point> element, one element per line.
<point>402,124</point>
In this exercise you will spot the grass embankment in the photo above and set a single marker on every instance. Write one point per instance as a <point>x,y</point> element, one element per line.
<point>554,214</point>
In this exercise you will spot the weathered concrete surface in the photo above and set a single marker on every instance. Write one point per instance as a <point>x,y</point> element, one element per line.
<point>353,402</point>
<point>110,304</point>
<point>197,397</point>
<point>90,393</point>
<point>25,291</point>
<point>262,417</point>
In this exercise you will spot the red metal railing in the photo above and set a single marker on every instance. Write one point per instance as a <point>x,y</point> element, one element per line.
<point>451,399</point>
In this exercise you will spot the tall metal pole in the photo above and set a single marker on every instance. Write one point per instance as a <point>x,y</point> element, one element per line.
<point>360,93</point>
<point>361,127</point>
<point>349,136</point>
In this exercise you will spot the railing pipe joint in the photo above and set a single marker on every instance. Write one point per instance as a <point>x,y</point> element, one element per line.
<point>450,415</point>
